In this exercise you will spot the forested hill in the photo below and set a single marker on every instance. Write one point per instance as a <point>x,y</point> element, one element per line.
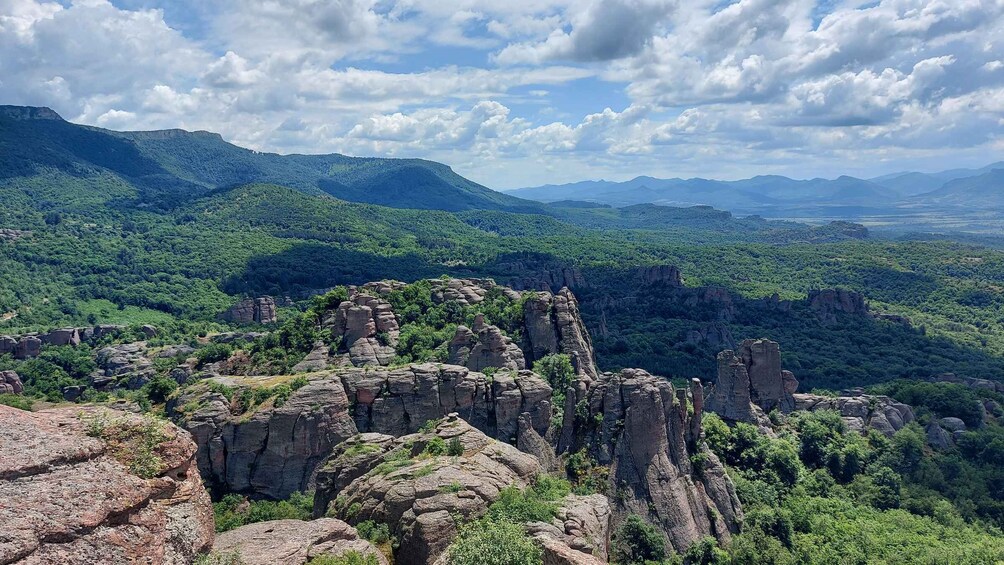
<point>163,169</point>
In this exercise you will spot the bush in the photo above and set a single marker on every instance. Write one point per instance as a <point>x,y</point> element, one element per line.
<point>436,446</point>
<point>234,510</point>
<point>16,401</point>
<point>455,448</point>
<point>159,388</point>
<point>213,353</point>
<point>638,542</point>
<point>375,532</point>
<point>492,542</point>
<point>557,370</point>
<point>347,558</point>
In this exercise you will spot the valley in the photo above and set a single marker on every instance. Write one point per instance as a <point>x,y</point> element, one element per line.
<point>328,359</point>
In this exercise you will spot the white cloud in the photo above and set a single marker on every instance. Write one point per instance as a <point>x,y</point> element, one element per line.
<point>699,87</point>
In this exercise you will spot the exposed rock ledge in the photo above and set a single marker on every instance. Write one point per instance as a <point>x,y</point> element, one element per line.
<point>69,498</point>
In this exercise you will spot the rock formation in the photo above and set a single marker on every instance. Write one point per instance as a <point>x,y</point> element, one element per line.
<point>861,411</point>
<point>272,451</point>
<point>715,334</point>
<point>366,328</point>
<point>554,325</point>
<point>10,383</point>
<point>638,426</point>
<point>125,364</point>
<point>252,311</point>
<point>751,383</point>
<point>579,534</point>
<point>293,542</point>
<point>828,304</point>
<point>397,481</point>
<point>81,485</point>
<point>482,346</point>
<point>275,451</point>
<point>64,336</point>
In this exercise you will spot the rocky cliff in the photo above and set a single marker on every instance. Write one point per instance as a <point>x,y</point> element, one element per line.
<point>84,485</point>
<point>260,310</point>
<point>638,426</point>
<point>293,542</point>
<point>274,450</point>
<point>860,411</point>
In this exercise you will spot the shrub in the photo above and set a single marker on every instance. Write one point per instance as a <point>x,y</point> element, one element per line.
<point>637,541</point>
<point>347,558</point>
<point>455,447</point>
<point>557,370</point>
<point>436,446</point>
<point>491,542</point>
<point>16,401</point>
<point>375,532</point>
<point>159,388</point>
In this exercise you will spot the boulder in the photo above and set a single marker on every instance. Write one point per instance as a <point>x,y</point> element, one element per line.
<point>124,365</point>
<point>8,345</point>
<point>952,424</point>
<point>82,485</point>
<point>418,494</point>
<point>10,383</point>
<point>579,534</point>
<point>938,438</point>
<point>28,347</point>
<point>65,336</point>
<point>293,542</point>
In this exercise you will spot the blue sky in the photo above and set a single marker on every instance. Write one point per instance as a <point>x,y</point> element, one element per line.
<point>527,92</point>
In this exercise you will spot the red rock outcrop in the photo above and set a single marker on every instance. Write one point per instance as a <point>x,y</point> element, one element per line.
<point>84,485</point>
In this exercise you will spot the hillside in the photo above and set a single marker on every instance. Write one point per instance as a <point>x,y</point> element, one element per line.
<point>165,168</point>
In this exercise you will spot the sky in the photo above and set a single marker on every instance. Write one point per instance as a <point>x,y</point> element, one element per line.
<point>524,92</point>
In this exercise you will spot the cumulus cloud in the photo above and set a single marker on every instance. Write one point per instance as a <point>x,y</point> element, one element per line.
<point>531,91</point>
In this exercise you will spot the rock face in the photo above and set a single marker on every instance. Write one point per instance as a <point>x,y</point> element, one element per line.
<point>399,401</point>
<point>398,482</point>
<point>366,328</point>
<point>69,498</point>
<point>252,311</point>
<point>293,542</point>
<point>275,451</point>
<point>483,346</point>
<point>10,383</point>
<point>660,274</point>
<point>579,534</point>
<point>65,336</point>
<point>828,304</point>
<point>638,426</point>
<point>27,347</point>
<point>861,411</point>
<point>272,451</point>
<point>554,325</point>
<point>750,383</point>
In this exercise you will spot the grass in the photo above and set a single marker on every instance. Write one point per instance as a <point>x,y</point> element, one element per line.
<point>107,312</point>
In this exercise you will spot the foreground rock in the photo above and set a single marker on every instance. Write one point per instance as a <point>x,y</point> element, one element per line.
<point>402,482</point>
<point>860,411</point>
<point>132,494</point>
<point>293,542</point>
<point>638,426</point>
<point>274,451</point>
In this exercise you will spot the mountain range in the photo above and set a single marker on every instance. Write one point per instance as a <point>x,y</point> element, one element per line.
<point>906,193</point>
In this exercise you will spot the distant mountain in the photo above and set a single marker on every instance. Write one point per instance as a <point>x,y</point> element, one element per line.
<point>779,196</point>
<point>166,168</point>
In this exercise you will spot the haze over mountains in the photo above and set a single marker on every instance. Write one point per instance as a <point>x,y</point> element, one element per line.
<point>956,191</point>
